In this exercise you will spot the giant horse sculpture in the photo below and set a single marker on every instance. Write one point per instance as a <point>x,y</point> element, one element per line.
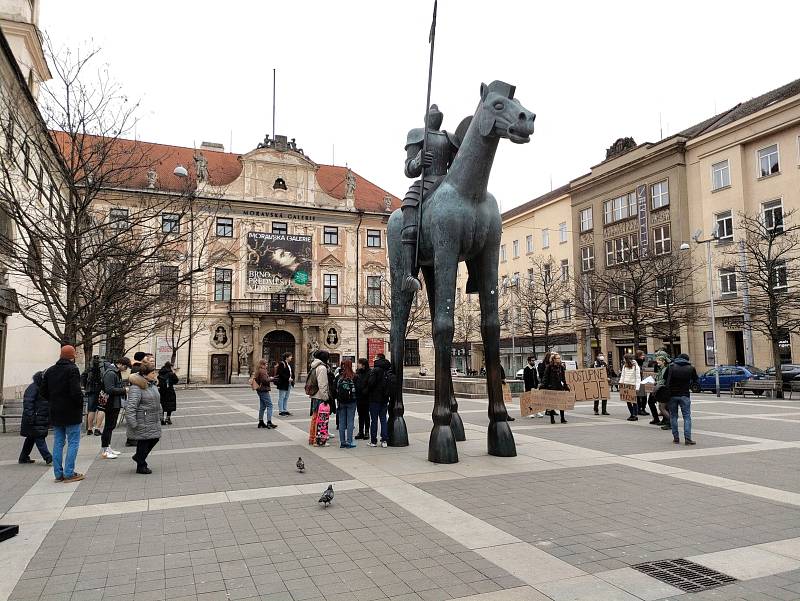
<point>460,221</point>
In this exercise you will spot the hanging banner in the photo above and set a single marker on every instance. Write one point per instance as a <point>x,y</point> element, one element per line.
<point>164,352</point>
<point>278,263</point>
<point>374,346</point>
<point>641,199</point>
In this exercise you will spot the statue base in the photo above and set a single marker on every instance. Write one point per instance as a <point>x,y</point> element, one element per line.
<point>501,440</point>
<point>240,379</point>
<point>442,445</point>
<point>398,433</point>
<point>457,426</point>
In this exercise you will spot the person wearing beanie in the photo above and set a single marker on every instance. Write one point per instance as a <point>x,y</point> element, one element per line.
<point>680,377</point>
<point>61,387</point>
<point>659,400</point>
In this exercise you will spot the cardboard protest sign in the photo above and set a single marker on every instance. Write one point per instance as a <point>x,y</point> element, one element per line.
<point>588,384</point>
<point>535,401</point>
<point>627,393</point>
<point>507,398</point>
<point>650,386</point>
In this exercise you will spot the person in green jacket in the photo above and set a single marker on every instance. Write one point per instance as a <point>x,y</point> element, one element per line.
<point>662,362</point>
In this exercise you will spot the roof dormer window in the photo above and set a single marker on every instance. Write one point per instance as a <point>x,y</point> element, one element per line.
<point>279,184</point>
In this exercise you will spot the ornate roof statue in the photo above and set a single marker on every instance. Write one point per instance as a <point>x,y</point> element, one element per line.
<point>201,167</point>
<point>621,146</point>
<point>152,178</point>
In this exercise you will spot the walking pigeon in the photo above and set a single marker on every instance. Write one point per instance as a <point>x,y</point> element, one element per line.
<point>301,466</point>
<point>327,496</point>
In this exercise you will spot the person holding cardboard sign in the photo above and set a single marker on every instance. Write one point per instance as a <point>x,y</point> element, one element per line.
<point>555,379</point>
<point>631,376</point>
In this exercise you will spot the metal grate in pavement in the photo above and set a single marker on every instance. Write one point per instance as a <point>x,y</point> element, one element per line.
<point>684,574</point>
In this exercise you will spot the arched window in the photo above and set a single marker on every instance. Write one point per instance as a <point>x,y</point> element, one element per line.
<point>279,184</point>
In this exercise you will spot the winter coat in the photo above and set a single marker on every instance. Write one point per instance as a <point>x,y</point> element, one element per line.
<point>661,372</point>
<point>35,410</point>
<point>114,388</point>
<point>530,377</point>
<point>143,409</point>
<point>540,370</point>
<point>680,376</point>
<point>555,377</point>
<point>166,389</point>
<point>92,381</point>
<point>362,392</point>
<point>284,375</point>
<point>631,375</point>
<point>61,386</point>
<point>377,389</point>
<point>598,364</point>
<point>323,392</point>
<point>262,378</point>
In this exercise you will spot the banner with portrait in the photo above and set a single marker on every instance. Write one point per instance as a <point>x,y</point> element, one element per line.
<point>278,263</point>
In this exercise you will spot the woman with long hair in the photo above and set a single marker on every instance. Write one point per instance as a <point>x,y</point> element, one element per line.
<point>555,379</point>
<point>362,399</point>
<point>632,376</point>
<point>261,384</point>
<point>346,400</point>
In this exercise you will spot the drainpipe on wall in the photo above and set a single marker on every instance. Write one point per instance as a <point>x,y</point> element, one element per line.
<point>358,284</point>
<point>748,330</point>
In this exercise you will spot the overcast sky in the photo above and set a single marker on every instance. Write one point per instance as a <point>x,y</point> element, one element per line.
<point>352,73</point>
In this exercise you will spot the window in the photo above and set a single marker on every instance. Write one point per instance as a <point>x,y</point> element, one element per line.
<point>724,226</point>
<point>621,250</point>
<point>620,208</point>
<point>411,352</point>
<point>225,227</point>
<point>586,219</point>
<point>587,258</point>
<point>659,194</point>
<point>515,248</point>
<point>280,227</point>
<point>168,281</point>
<point>562,232</point>
<point>373,290</point>
<point>565,270</point>
<point>279,184</point>
<point>545,238</point>
<point>530,277</point>
<point>330,288</point>
<point>773,215</point>
<point>727,282</point>
<point>222,284</point>
<point>529,243</point>
<point>662,244</point>
<point>618,300</point>
<point>768,161</point>
<point>720,175</point>
<point>567,310</point>
<point>547,275</point>
<point>170,223</point>
<point>117,218</point>
<point>374,238</point>
<point>330,235</point>
<point>781,282</point>
<point>502,253</point>
<point>26,161</point>
<point>664,291</point>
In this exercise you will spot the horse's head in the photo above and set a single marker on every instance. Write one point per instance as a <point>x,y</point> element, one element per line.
<point>502,116</point>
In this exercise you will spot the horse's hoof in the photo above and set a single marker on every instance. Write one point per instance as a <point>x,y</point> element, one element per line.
<point>442,445</point>
<point>457,426</point>
<point>501,440</point>
<point>398,434</point>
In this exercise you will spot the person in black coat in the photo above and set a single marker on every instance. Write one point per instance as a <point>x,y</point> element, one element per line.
<point>378,393</point>
<point>530,376</point>
<point>166,389</point>
<point>35,422</point>
<point>284,380</point>
<point>362,399</point>
<point>555,379</point>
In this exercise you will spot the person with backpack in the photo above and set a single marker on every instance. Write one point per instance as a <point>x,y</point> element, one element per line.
<point>112,399</point>
<point>260,382</point>
<point>362,399</point>
<point>379,386</point>
<point>318,389</point>
<point>166,390</point>
<point>92,383</point>
<point>346,399</point>
<point>35,422</point>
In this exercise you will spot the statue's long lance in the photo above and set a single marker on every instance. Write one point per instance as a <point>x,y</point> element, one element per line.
<point>431,39</point>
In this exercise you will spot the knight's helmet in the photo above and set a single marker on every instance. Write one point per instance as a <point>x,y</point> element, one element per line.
<point>434,118</point>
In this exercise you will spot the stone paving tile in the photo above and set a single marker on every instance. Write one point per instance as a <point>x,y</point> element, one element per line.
<point>784,586</point>
<point>229,416</point>
<point>606,517</point>
<point>737,406</point>
<point>777,469</point>
<point>17,479</point>
<point>363,547</point>
<point>174,438</point>
<point>774,430</point>
<point>192,473</point>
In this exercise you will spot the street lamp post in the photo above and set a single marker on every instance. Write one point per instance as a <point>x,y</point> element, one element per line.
<point>709,270</point>
<point>180,171</point>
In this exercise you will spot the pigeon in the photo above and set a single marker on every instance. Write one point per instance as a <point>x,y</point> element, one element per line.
<point>327,496</point>
<point>301,466</point>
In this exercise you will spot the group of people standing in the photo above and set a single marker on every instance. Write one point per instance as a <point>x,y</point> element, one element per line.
<point>56,396</point>
<point>550,374</point>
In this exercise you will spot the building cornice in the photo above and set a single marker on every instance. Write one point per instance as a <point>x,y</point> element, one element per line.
<point>33,44</point>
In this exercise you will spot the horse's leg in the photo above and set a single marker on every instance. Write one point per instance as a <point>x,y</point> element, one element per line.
<point>400,308</point>
<point>483,269</point>
<point>455,419</point>
<point>442,444</point>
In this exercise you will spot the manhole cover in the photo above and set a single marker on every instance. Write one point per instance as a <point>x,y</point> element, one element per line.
<point>684,574</point>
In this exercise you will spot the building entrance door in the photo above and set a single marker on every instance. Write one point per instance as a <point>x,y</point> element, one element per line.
<point>275,344</point>
<point>219,369</point>
<point>736,347</point>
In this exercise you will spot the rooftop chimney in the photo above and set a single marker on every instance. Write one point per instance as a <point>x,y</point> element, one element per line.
<point>212,146</point>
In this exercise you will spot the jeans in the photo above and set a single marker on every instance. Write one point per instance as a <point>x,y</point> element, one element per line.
<point>633,409</point>
<point>347,416</point>
<point>283,400</point>
<point>264,402</point>
<point>143,448</point>
<point>377,411</point>
<point>686,410</point>
<point>27,447</point>
<point>112,415</point>
<point>72,436</point>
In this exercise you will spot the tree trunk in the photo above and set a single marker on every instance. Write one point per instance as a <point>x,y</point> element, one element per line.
<point>776,361</point>
<point>88,349</point>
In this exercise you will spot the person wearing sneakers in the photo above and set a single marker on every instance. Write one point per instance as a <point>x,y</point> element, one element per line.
<point>115,391</point>
<point>143,414</point>
<point>261,382</point>
<point>681,375</point>
<point>530,376</point>
<point>61,387</point>
<point>35,422</point>
<point>631,375</point>
<point>378,384</point>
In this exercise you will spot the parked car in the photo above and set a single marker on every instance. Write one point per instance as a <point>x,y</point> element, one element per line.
<point>789,371</point>
<point>728,376</point>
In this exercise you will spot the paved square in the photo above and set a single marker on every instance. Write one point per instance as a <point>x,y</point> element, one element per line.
<point>226,516</point>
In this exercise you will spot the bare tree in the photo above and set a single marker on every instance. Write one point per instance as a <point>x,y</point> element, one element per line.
<point>591,303</point>
<point>375,309</point>
<point>673,301</point>
<point>771,272</point>
<point>467,321</point>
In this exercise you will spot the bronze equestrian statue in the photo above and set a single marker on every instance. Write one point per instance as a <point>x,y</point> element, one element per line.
<point>460,221</point>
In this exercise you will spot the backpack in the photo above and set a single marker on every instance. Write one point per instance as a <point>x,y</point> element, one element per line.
<point>344,391</point>
<point>389,380</point>
<point>331,386</point>
<point>312,384</point>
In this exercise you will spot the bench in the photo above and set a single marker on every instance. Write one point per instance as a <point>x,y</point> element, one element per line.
<point>757,387</point>
<point>793,387</point>
<point>4,416</point>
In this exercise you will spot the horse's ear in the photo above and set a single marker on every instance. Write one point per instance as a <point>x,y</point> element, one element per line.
<point>485,122</point>
<point>483,91</point>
